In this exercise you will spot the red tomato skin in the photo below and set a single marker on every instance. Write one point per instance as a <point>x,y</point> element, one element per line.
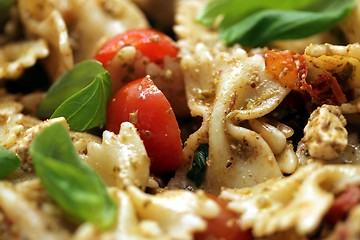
<point>143,104</point>
<point>343,203</point>
<point>224,226</point>
<point>151,43</point>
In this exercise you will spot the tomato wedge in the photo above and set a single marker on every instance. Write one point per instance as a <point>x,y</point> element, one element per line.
<point>143,104</point>
<point>151,43</point>
<point>224,226</point>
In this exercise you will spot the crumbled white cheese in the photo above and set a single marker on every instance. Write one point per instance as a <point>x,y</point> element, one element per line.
<point>325,134</point>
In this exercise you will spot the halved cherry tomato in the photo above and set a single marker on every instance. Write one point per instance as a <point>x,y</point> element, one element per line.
<point>143,104</point>
<point>152,47</point>
<point>224,226</point>
<point>151,43</point>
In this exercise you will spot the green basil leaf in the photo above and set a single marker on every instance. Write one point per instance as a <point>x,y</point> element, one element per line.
<point>67,85</point>
<point>9,162</point>
<point>235,10</point>
<point>87,108</point>
<point>254,23</point>
<point>284,25</point>
<point>197,172</point>
<point>70,182</point>
<point>6,4</point>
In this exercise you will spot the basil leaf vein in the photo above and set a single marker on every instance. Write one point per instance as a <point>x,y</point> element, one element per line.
<point>9,162</point>
<point>254,23</point>
<point>70,182</point>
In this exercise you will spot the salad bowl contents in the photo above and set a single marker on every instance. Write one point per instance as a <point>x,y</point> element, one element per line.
<point>209,119</point>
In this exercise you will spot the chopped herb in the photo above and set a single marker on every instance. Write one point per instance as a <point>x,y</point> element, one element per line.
<point>197,172</point>
<point>256,23</point>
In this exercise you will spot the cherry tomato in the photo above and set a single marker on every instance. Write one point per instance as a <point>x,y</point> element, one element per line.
<point>143,104</point>
<point>153,44</point>
<point>153,47</point>
<point>224,226</point>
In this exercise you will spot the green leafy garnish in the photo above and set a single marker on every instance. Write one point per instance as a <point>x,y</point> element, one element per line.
<point>80,95</point>
<point>6,4</point>
<point>87,108</point>
<point>256,23</point>
<point>9,162</point>
<point>197,172</point>
<point>70,182</point>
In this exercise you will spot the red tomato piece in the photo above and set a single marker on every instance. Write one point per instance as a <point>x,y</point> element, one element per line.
<point>284,67</point>
<point>151,47</point>
<point>343,203</point>
<point>224,226</point>
<point>143,104</point>
<point>151,43</point>
<point>290,70</point>
<point>327,90</point>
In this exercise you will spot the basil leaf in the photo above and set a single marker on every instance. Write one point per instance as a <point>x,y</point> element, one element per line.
<point>197,172</point>
<point>235,10</point>
<point>67,85</point>
<point>71,183</point>
<point>87,108</point>
<point>6,4</point>
<point>9,162</point>
<point>254,23</point>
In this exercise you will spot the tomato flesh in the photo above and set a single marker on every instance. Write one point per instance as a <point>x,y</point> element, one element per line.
<point>143,104</point>
<point>290,70</point>
<point>151,43</point>
<point>224,226</point>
